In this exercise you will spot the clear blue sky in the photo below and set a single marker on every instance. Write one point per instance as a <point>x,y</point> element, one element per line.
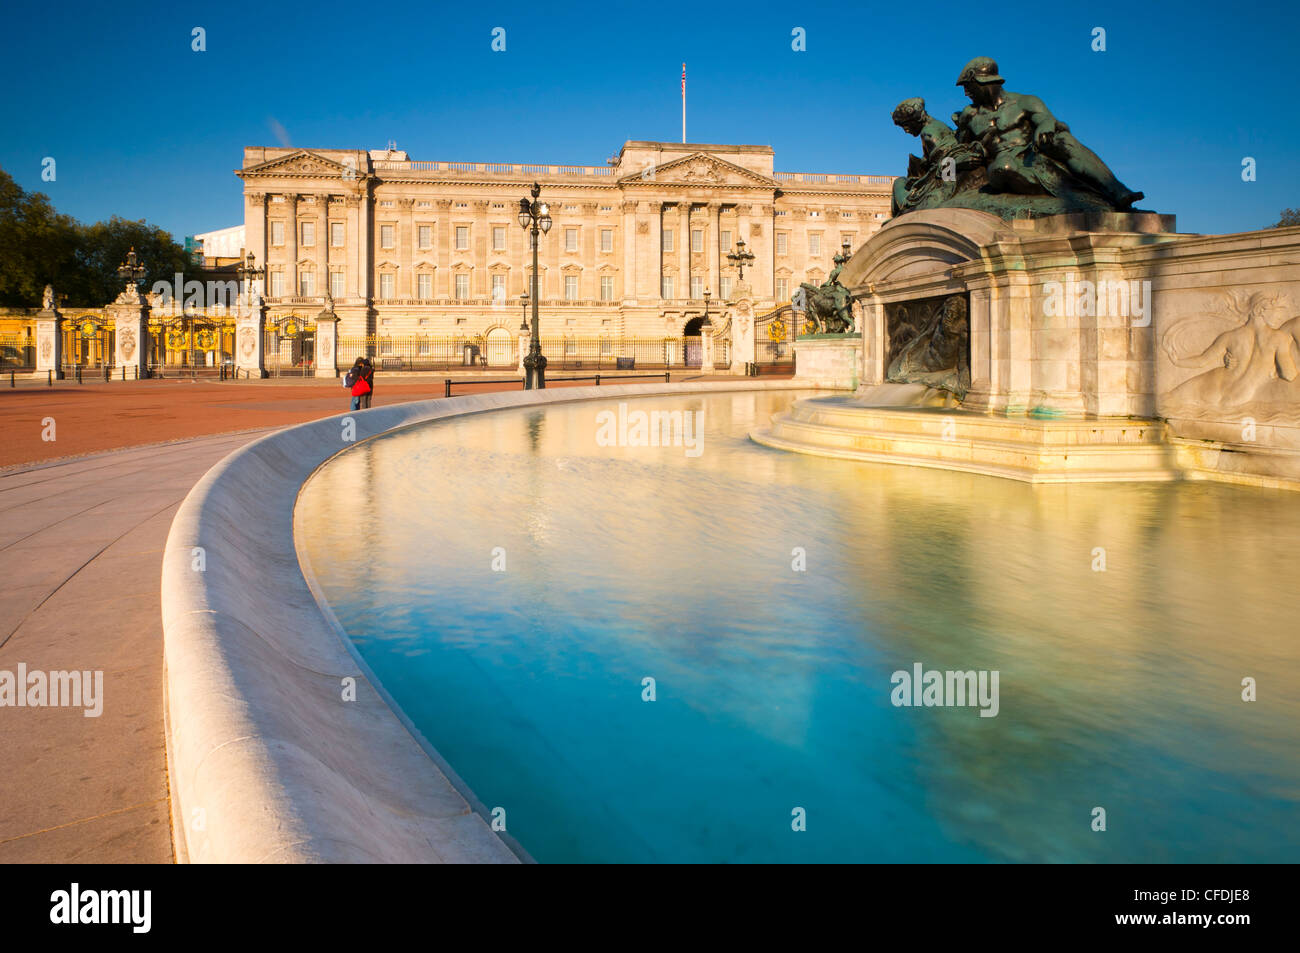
<point>142,126</point>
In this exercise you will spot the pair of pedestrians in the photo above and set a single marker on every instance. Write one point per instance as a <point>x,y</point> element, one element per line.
<point>360,382</point>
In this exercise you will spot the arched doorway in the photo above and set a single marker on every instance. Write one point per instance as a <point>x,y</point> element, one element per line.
<point>500,348</point>
<point>692,342</point>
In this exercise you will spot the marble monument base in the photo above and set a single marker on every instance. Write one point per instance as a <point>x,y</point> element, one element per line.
<point>916,428</point>
<point>828,360</point>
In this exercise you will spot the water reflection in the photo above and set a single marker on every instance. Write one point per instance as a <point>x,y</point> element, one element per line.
<point>1119,689</point>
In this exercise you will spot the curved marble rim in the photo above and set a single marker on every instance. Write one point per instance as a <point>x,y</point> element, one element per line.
<point>268,761</point>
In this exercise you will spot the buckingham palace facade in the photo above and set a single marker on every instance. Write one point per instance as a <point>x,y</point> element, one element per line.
<point>408,247</point>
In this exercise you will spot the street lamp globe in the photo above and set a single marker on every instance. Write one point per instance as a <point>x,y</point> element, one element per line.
<point>525,213</point>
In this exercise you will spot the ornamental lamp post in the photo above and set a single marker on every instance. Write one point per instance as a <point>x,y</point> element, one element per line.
<point>535,216</point>
<point>523,322</point>
<point>131,271</point>
<point>740,257</point>
<point>249,272</point>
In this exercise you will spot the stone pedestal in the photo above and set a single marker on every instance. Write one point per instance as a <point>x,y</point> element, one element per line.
<point>828,360</point>
<point>1060,323</point>
<point>250,341</point>
<point>525,340</point>
<point>327,344</point>
<point>131,336</point>
<point>49,342</point>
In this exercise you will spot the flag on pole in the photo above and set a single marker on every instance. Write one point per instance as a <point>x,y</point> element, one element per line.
<point>683,102</point>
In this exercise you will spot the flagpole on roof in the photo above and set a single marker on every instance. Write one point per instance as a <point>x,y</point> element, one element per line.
<point>683,102</point>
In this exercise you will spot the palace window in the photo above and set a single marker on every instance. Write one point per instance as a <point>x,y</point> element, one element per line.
<point>782,289</point>
<point>336,234</point>
<point>570,287</point>
<point>570,239</point>
<point>277,284</point>
<point>386,204</point>
<point>814,213</point>
<point>666,288</point>
<point>668,239</point>
<point>386,239</point>
<point>697,240</point>
<point>697,287</point>
<point>462,237</point>
<point>498,287</point>
<point>386,285</point>
<point>308,234</point>
<point>606,287</point>
<point>307,283</point>
<point>498,238</point>
<point>425,236</point>
<point>607,239</point>
<point>277,233</point>
<point>724,239</point>
<point>424,286</point>
<point>724,286</point>
<point>336,284</point>
<point>814,245</point>
<point>782,240</point>
<point>606,347</point>
<point>462,286</point>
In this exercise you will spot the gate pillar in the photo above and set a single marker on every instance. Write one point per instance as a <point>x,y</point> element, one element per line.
<point>250,340</point>
<point>49,336</point>
<point>327,342</point>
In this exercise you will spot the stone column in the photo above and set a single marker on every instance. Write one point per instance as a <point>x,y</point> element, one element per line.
<point>684,249</point>
<point>49,341</point>
<point>714,280</point>
<point>327,344</point>
<point>653,278</point>
<point>291,245</point>
<point>629,291</point>
<point>323,243</point>
<point>984,384</point>
<point>875,341</point>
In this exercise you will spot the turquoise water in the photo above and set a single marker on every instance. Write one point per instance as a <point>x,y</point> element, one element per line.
<point>1118,689</point>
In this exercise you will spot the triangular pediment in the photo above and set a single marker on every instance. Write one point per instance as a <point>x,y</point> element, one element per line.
<point>699,169</point>
<point>302,163</point>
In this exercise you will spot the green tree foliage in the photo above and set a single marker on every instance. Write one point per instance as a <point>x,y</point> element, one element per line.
<point>39,246</point>
<point>1290,216</point>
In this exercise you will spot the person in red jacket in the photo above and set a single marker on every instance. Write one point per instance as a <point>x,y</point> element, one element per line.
<point>355,382</point>
<point>368,377</point>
